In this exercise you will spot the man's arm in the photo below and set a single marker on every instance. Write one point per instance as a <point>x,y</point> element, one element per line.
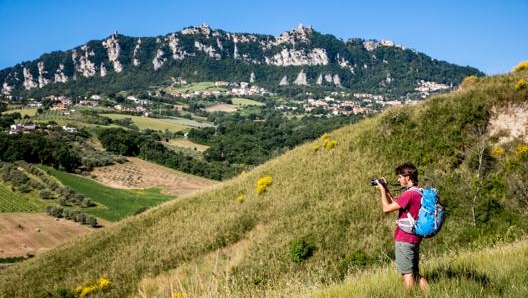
<point>387,202</point>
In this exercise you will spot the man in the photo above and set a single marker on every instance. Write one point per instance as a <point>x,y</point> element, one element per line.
<point>407,246</point>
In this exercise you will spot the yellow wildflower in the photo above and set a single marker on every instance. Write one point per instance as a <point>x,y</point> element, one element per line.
<point>521,84</point>
<point>521,66</point>
<point>521,150</point>
<point>497,151</point>
<point>263,183</point>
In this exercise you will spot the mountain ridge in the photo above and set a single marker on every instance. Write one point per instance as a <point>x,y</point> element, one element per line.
<point>200,53</point>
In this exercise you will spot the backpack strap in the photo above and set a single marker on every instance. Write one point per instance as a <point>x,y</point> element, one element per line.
<point>418,190</point>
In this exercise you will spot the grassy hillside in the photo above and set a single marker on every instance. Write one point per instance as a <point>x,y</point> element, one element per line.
<point>499,271</point>
<point>320,220</point>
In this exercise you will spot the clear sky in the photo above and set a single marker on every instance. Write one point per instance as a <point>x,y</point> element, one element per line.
<point>491,35</point>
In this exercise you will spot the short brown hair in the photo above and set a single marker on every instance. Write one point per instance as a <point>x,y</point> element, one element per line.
<point>408,169</point>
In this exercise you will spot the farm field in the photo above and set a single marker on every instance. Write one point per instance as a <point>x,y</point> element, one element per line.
<point>199,86</point>
<point>113,204</point>
<point>124,189</point>
<point>31,112</point>
<point>151,123</point>
<point>240,101</point>
<point>222,107</point>
<point>140,174</point>
<point>16,202</point>
<point>35,233</point>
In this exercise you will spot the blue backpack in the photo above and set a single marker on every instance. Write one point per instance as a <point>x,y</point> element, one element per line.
<point>430,217</point>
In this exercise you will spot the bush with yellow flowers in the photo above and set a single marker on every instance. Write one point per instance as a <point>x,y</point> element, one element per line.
<point>521,66</point>
<point>521,84</point>
<point>470,80</point>
<point>497,152</point>
<point>90,287</point>
<point>521,151</point>
<point>263,183</point>
<point>327,144</point>
<point>178,295</point>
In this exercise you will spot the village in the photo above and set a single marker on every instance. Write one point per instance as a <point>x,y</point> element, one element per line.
<point>336,103</point>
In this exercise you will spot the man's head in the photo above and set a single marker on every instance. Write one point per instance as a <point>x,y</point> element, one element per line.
<point>407,174</point>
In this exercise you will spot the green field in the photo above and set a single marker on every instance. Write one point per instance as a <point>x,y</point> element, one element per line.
<point>116,203</point>
<point>201,86</point>
<point>16,202</point>
<point>151,123</point>
<point>239,101</point>
<point>31,112</point>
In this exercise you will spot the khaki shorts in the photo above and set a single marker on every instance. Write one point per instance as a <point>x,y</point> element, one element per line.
<point>407,257</point>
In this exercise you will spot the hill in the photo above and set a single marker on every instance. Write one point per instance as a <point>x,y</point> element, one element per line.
<point>319,220</point>
<point>297,60</point>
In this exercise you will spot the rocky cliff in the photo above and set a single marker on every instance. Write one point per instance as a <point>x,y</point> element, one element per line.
<point>201,53</point>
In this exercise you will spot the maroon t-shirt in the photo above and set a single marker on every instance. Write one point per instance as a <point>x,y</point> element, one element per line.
<point>410,201</point>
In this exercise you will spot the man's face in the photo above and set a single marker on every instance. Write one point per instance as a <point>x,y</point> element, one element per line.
<point>404,180</point>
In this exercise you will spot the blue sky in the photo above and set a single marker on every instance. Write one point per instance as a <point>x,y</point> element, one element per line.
<point>490,35</point>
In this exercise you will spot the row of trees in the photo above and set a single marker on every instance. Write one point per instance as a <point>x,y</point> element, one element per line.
<point>72,214</point>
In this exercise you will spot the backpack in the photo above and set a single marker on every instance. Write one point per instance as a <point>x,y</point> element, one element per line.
<point>430,217</point>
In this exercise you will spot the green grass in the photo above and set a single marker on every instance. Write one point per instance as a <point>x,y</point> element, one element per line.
<point>200,86</point>
<point>31,112</point>
<point>116,203</point>
<point>151,123</point>
<point>499,271</point>
<point>246,102</point>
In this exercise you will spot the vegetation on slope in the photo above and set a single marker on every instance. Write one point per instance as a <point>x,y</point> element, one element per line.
<point>319,220</point>
<point>499,271</point>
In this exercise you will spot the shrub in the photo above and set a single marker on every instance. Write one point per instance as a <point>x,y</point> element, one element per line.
<point>355,261</point>
<point>263,183</point>
<point>497,152</point>
<point>468,81</point>
<point>90,287</point>
<point>521,151</point>
<point>301,250</point>
<point>330,144</point>
<point>521,84</point>
<point>521,66</point>
<point>46,194</point>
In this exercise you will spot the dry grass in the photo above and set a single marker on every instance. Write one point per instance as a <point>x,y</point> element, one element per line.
<point>222,107</point>
<point>185,143</point>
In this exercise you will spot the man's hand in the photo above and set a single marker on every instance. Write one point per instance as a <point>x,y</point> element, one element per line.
<point>382,184</point>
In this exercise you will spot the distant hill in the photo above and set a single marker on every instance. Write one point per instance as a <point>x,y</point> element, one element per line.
<point>309,217</point>
<point>300,58</point>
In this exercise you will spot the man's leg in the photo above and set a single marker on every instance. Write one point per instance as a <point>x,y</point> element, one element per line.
<point>404,262</point>
<point>424,284</point>
<point>408,280</point>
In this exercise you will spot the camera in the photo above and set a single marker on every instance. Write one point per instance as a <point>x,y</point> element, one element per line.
<point>375,182</point>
